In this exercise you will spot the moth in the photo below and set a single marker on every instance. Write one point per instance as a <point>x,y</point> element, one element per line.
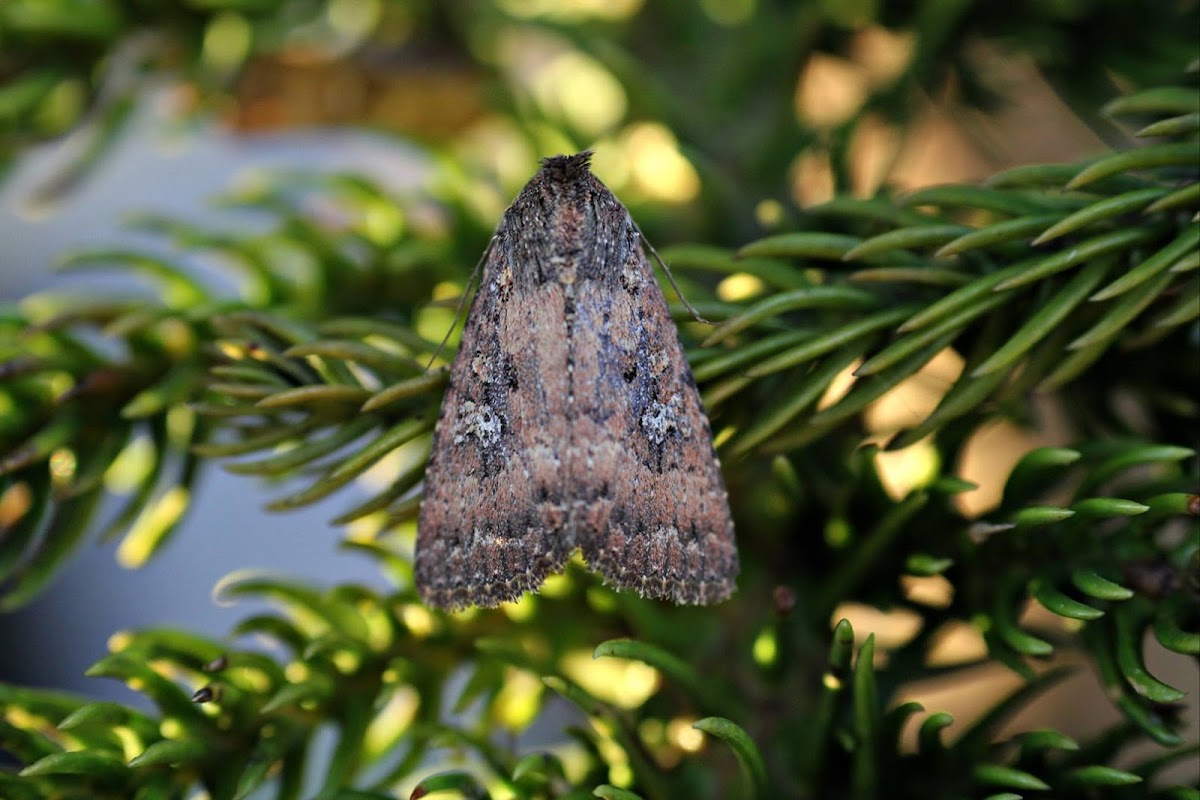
<point>571,419</point>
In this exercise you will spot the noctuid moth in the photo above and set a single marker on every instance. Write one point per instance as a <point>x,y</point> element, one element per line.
<point>571,419</point>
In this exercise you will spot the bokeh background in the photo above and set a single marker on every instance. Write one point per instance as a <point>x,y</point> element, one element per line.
<point>459,99</point>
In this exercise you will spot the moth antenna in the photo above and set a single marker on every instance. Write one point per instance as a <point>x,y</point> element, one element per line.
<point>462,302</point>
<point>671,278</point>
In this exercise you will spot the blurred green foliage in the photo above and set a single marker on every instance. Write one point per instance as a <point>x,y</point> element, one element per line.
<point>1072,281</point>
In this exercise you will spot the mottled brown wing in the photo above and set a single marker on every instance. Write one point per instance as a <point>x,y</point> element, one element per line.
<point>653,515</point>
<point>492,520</point>
<point>571,418</point>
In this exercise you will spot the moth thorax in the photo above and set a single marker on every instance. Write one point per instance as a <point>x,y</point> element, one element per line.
<point>565,269</point>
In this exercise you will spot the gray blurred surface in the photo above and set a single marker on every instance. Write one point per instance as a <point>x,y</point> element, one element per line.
<point>52,641</point>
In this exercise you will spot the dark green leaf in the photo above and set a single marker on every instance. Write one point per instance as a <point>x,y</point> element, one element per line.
<point>743,747</point>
